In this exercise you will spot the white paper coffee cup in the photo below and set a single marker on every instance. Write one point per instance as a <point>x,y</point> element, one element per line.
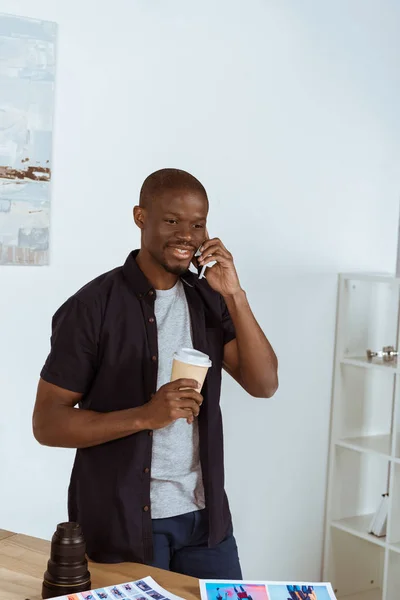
<point>190,364</point>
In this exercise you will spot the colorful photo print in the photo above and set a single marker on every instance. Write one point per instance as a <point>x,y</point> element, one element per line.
<point>88,595</point>
<point>298,592</point>
<point>102,594</point>
<point>155,595</point>
<point>116,593</point>
<point>130,591</point>
<point>236,591</point>
<point>143,586</point>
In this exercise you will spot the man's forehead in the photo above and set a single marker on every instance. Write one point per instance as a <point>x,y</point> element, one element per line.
<point>182,201</point>
<point>181,195</point>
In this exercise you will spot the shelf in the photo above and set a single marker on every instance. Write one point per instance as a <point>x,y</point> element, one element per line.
<point>358,526</point>
<point>395,547</point>
<point>356,567</point>
<point>393,576</point>
<point>372,444</point>
<point>375,594</point>
<point>394,521</point>
<point>364,460</point>
<point>364,363</point>
<point>371,277</point>
<point>396,457</point>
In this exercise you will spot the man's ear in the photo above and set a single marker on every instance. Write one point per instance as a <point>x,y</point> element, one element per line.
<point>139,216</point>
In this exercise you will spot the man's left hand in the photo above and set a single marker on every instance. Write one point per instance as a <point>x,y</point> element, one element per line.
<point>222,276</point>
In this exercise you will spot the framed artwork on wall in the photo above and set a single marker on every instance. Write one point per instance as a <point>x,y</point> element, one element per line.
<point>27,80</point>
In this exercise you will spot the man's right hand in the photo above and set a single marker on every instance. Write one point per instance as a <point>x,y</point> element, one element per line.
<point>175,400</point>
<point>57,423</point>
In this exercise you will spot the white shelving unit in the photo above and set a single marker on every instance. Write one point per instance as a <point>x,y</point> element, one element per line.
<point>364,457</point>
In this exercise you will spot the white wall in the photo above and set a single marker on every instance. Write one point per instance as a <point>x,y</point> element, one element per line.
<point>288,112</point>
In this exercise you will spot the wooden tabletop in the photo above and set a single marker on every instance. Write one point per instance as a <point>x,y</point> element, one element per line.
<point>23,561</point>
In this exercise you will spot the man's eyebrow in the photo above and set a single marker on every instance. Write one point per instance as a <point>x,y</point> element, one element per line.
<point>194,218</point>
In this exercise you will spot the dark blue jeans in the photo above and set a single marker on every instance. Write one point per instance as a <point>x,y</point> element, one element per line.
<point>181,545</point>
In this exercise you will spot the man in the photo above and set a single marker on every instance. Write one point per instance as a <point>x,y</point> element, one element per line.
<point>148,478</point>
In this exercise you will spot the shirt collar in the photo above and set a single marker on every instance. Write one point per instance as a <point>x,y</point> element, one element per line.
<point>139,282</point>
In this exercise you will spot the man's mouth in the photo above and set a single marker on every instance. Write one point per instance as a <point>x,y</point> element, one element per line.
<point>181,252</point>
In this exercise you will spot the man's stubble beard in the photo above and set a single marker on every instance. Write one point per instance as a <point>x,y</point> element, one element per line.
<point>172,270</point>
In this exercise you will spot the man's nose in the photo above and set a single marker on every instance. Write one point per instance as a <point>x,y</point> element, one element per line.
<point>184,233</point>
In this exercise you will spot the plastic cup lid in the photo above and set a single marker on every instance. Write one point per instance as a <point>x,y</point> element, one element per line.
<point>193,357</point>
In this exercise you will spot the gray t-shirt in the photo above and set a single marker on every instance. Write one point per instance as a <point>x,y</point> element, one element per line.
<point>176,478</point>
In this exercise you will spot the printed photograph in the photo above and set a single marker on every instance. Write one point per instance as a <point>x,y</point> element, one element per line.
<point>143,586</point>
<point>236,591</point>
<point>155,595</point>
<point>88,595</point>
<point>116,592</point>
<point>131,591</point>
<point>102,594</point>
<point>298,592</point>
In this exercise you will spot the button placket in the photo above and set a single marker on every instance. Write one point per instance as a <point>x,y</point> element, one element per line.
<point>148,308</point>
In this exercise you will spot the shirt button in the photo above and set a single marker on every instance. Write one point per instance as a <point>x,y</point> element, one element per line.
<point>154,358</point>
<point>151,320</point>
<point>147,470</point>
<point>146,508</point>
<point>151,293</point>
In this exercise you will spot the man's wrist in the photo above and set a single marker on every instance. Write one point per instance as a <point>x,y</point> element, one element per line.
<point>141,421</point>
<point>236,298</point>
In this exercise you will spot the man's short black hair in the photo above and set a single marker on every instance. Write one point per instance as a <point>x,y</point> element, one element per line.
<point>168,179</point>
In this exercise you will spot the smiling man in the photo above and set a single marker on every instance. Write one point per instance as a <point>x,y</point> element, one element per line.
<point>147,483</point>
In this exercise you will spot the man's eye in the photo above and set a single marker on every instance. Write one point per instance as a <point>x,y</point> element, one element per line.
<point>171,221</point>
<point>198,226</point>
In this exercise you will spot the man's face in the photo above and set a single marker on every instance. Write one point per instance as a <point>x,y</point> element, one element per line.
<point>173,228</point>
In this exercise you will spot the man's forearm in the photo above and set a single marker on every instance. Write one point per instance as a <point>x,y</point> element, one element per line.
<point>258,363</point>
<point>68,427</point>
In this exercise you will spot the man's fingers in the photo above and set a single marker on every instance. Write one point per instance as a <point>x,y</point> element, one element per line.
<point>180,384</point>
<point>214,251</point>
<point>184,413</point>
<point>189,395</point>
<point>188,404</point>
<point>211,243</point>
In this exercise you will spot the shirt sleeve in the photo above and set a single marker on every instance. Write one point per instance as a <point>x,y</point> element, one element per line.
<point>227,324</point>
<point>71,363</point>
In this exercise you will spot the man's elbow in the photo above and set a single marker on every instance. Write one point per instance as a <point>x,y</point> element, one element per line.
<point>39,431</point>
<point>266,392</point>
<point>271,390</point>
<point>265,389</point>
<point>38,434</point>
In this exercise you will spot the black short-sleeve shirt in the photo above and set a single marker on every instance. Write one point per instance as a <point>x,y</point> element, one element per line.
<point>104,346</point>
